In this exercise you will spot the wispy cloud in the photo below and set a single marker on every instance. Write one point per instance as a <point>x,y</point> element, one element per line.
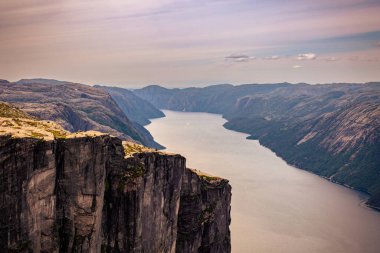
<point>273,57</point>
<point>239,58</point>
<point>307,56</point>
<point>297,66</point>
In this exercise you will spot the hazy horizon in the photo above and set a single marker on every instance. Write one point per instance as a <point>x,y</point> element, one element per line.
<point>190,42</point>
<point>128,86</point>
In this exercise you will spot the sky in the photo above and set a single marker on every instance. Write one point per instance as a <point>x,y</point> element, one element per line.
<point>180,43</point>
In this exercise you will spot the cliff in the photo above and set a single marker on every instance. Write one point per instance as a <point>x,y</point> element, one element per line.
<point>90,193</point>
<point>204,218</point>
<point>331,130</point>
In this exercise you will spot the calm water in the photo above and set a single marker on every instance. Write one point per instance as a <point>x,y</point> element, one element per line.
<point>275,207</point>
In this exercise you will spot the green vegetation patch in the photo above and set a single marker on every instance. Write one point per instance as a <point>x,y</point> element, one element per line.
<point>209,178</point>
<point>132,148</point>
<point>57,133</point>
<point>130,175</point>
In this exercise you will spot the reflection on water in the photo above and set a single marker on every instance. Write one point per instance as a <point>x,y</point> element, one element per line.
<point>275,207</point>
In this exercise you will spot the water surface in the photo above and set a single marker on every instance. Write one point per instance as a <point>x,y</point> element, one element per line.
<point>275,207</point>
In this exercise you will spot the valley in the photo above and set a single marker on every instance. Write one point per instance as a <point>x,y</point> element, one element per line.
<point>275,207</point>
<point>332,130</point>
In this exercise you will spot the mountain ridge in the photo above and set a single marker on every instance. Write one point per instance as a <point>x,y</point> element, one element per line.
<point>76,107</point>
<point>331,130</point>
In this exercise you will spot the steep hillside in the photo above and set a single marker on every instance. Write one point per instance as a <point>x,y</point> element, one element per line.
<point>136,109</point>
<point>332,130</point>
<point>76,107</point>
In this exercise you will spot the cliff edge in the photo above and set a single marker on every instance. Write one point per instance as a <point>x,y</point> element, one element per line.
<point>91,193</point>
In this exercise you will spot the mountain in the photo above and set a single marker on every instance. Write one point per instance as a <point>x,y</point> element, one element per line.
<point>213,99</point>
<point>76,107</point>
<point>136,109</point>
<point>42,81</point>
<point>332,130</point>
<point>90,192</point>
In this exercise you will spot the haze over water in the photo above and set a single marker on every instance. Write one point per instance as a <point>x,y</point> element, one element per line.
<point>275,207</point>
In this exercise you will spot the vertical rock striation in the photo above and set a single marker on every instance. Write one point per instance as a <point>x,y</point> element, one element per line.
<point>204,214</point>
<point>79,190</point>
<point>27,199</point>
<point>84,195</point>
<point>141,203</point>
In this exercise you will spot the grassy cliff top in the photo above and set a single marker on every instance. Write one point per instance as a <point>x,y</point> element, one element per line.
<point>18,124</point>
<point>207,177</point>
<point>131,148</point>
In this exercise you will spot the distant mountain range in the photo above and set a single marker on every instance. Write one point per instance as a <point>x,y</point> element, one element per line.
<point>332,130</point>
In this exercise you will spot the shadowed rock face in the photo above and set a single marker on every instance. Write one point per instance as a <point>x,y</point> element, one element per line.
<point>141,203</point>
<point>203,223</point>
<point>137,109</point>
<point>84,195</point>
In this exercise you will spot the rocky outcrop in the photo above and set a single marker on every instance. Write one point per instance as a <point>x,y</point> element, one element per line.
<point>84,195</point>
<point>141,203</point>
<point>204,214</point>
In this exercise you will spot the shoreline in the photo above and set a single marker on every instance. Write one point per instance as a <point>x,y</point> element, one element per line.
<point>371,207</point>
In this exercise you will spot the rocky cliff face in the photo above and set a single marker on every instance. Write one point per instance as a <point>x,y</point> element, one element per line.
<point>204,217</point>
<point>84,195</point>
